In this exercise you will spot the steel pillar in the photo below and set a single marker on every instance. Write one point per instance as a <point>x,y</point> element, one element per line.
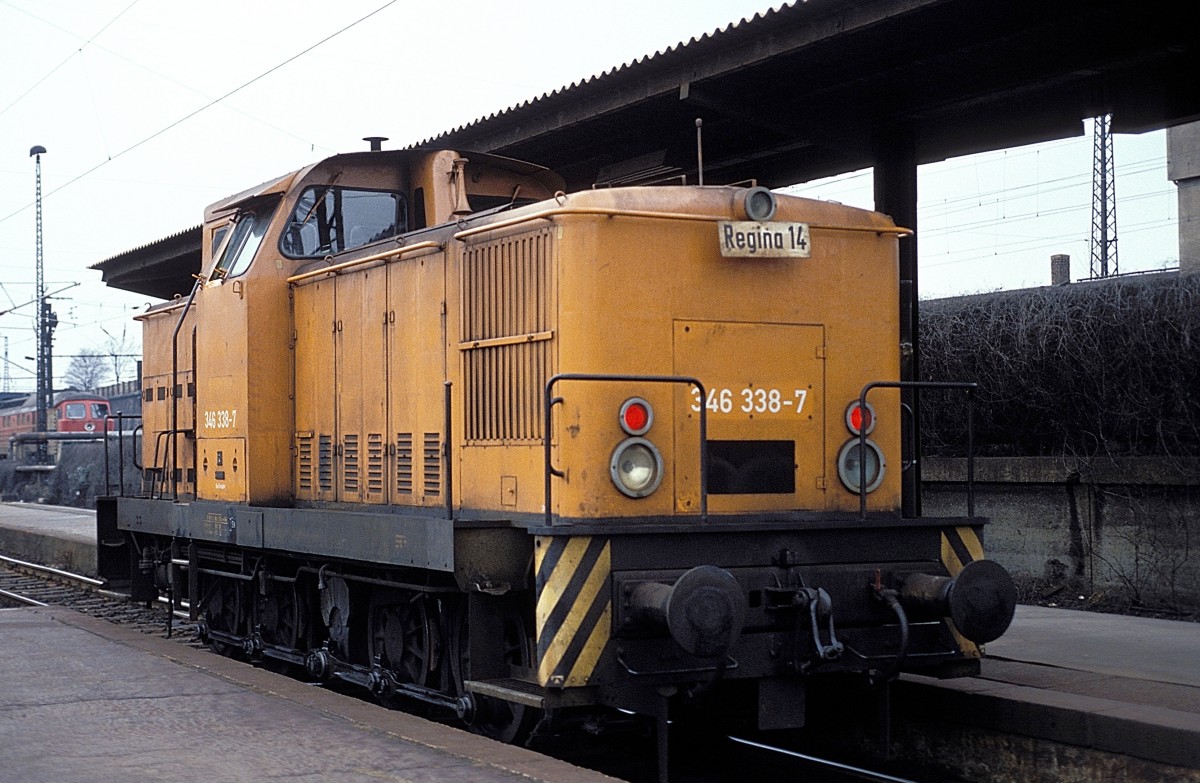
<point>896,195</point>
<point>1104,199</point>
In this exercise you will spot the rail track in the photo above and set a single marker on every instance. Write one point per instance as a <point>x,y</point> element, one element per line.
<point>700,755</point>
<point>810,767</point>
<point>725,758</point>
<point>30,584</point>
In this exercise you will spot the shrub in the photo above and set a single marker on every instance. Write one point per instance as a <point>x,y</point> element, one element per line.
<point>1105,368</point>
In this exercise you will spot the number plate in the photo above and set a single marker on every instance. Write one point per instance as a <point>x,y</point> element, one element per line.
<point>751,239</point>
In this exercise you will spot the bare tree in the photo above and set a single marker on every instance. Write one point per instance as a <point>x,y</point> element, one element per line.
<point>87,369</point>
<point>119,351</point>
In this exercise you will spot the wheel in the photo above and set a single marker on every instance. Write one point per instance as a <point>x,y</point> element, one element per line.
<point>335,611</point>
<point>497,719</point>
<point>282,619</point>
<point>223,612</point>
<point>402,638</point>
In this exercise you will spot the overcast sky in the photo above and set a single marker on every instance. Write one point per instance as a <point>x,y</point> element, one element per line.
<point>150,110</point>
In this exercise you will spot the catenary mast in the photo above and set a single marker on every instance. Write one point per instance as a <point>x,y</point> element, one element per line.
<point>1104,200</point>
<point>45,321</point>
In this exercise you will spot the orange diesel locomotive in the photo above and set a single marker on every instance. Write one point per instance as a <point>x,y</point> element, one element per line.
<point>429,425</point>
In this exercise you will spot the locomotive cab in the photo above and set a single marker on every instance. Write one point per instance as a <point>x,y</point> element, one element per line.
<point>235,331</point>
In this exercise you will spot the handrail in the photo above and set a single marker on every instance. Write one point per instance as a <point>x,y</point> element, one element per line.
<point>548,214</point>
<point>170,436</point>
<point>551,471</point>
<point>133,438</point>
<point>336,268</point>
<point>969,388</point>
<point>107,483</point>
<point>177,385</point>
<point>447,445</point>
<point>120,417</point>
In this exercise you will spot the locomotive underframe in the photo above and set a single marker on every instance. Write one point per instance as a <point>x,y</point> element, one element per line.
<point>389,612</point>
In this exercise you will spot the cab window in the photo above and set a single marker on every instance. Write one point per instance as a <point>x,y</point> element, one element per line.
<point>329,220</point>
<point>217,237</point>
<point>99,410</point>
<point>76,410</point>
<point>247,233</point>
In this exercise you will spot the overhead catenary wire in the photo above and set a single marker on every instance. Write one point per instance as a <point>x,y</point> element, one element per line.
<point>937,220</point>
<point>91,43</point>
<point>53,70</point>
<point>203,108</point>
<point>986,181</point>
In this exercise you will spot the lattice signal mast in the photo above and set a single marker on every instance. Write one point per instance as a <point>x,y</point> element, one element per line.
<point>45,388</point>
<point>1104,200</point>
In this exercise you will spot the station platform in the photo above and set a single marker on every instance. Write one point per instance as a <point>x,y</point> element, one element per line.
<point>58,536</point>
<point>1060,684</point>
<point>86,701</point>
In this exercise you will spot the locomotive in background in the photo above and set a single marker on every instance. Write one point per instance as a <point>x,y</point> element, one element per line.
<point>71,412</point>
<point>428,425</point>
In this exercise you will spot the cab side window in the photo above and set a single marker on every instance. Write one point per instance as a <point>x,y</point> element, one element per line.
<point>246,236</point>
<point>329,220</point>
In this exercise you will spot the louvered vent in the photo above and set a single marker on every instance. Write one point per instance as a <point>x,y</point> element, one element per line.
<point>304,450</point>
<point>433,464</point>
<point>508,328</point>
<point>404,463</point>
<point>350,467</point>
<point>375,463</point>
<point>325,463</point>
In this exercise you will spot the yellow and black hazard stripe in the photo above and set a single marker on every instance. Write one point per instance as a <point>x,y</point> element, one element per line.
<point>960,546</point>
<point>573,607</point>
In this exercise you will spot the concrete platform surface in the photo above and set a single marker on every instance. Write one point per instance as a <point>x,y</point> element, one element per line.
<point>1126,686</point>
<point>85,701</point>
<point>60,536</point>
<point>1141,648</point>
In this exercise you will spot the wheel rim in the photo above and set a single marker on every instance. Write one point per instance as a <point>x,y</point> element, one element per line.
<point>222,612</point>
<point>402,639</point>
<point>279,619</point>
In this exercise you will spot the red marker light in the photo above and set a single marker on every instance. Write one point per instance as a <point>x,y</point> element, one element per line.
<point>636,416</point>
<point>856,419</point>
<point>859,419</point>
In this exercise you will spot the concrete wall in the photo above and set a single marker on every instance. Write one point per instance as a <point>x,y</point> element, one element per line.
<point>1183,167</point>
<point>1119,533</point>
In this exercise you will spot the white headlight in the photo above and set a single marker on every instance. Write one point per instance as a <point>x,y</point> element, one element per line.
<point>636,467</point>
<point>850,470</point>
